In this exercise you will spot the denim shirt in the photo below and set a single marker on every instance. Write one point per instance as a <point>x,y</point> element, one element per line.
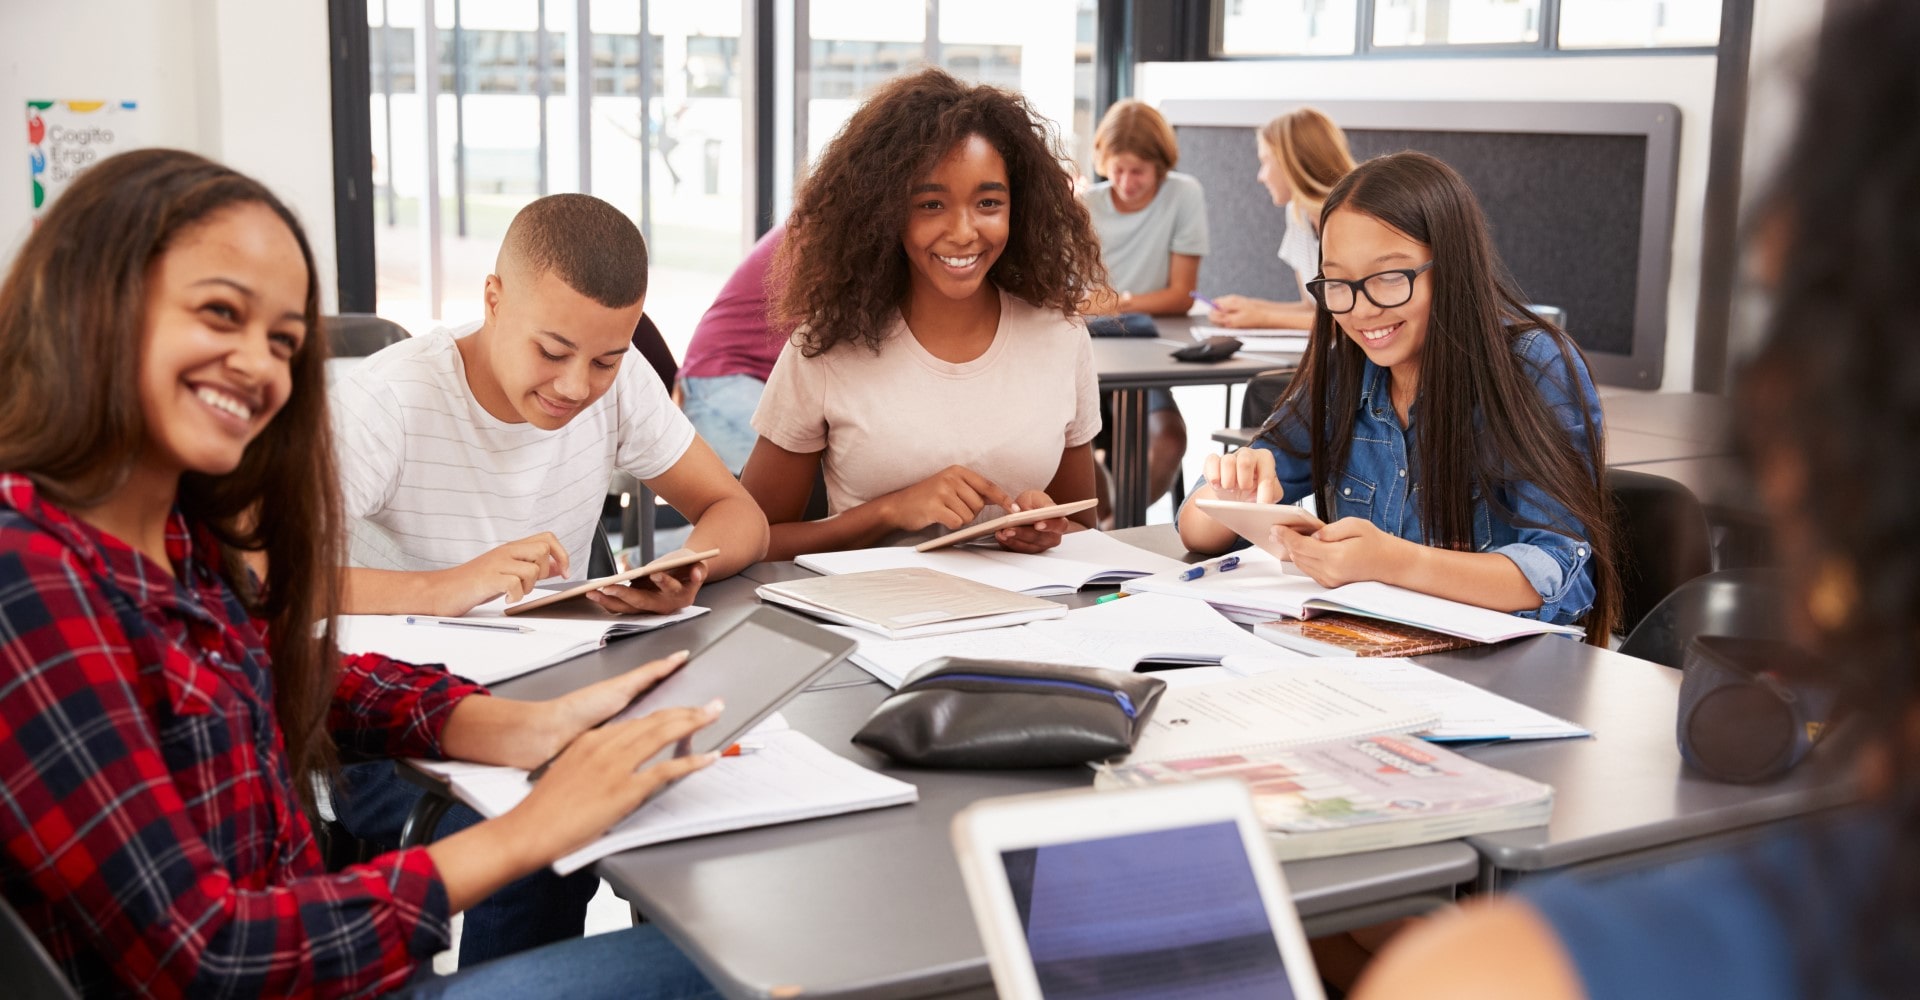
<point>1380,483</point>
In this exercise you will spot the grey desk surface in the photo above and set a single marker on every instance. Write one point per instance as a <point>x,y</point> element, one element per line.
<point>1145,363</point>
<point>1691,416</point>
<point>871,904</point>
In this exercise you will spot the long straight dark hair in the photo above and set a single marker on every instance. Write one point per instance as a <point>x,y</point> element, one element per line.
<point>1483,423</point>
<point>73,318</point>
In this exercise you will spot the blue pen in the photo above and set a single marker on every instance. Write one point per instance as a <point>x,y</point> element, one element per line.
<point>1227,565</point>
<point>1203,300</point>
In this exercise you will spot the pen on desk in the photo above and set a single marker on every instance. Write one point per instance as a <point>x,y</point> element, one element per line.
<point>1195,572</point>
<point>1203,300</point>
<point>454,623</point>
<point>1111,597</point>
<point>740,750</point>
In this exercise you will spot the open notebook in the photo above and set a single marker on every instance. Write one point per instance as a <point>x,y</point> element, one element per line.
<point>1258,589</point>
<point>909,602</point>
<point>1082,558</point>
<point>487,647</point>
<point>788,777</point>
<point>1270,711</point>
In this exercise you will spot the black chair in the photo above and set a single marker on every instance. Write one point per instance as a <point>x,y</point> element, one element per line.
<point>639,517</point>
<point>31,973</point>
<point>1747,603</point>
<point>356,335</point>
<point>1662,540</point>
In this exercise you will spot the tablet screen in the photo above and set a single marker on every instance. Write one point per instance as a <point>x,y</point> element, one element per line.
<point>755,667</point>
<point>1166,913</point>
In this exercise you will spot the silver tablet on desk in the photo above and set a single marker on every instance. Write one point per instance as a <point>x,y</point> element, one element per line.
<point>1142,893</point>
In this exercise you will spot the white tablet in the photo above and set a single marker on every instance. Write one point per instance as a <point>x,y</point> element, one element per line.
<point>665,564</point>
<point>1148,892</point>
<point>986,528</point>
<point>1253,521</point>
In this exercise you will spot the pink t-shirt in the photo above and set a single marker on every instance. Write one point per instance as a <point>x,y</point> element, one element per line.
<point>732,337</point>
<point>892,419</point>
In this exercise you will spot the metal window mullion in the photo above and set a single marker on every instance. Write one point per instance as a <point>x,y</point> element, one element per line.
<point>583,89</point>
<point>459,123</point>
<point>1550,25</point>
<point>802,82</point>
<point>1363,27</point>
<point>386,92</point>
<point>930,44</point>
<point>541,86</point>
<point>644,66</point>
<point>426,75</point>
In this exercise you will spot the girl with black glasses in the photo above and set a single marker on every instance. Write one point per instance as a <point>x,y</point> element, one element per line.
<point>1449,436</point>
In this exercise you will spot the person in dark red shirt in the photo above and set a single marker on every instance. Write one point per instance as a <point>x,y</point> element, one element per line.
<point>162,713</point>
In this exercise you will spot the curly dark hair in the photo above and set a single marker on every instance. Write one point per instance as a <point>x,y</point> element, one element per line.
<point>842,270</point>
<point>1836,391</point>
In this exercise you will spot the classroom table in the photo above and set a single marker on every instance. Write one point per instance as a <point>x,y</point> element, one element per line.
<point>1691,416</point>
<point>1129,367</point>
<point>871,904</point>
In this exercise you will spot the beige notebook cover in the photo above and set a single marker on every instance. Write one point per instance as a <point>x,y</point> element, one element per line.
<point>671,561</point>
<point>986,528</point>
<point>909,602</point>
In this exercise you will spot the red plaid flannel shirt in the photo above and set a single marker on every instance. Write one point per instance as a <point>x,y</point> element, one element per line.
<point>148,829</point>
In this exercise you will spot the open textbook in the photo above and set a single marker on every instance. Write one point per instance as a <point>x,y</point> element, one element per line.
<point>1082,558</point>
<point>1118,635</point>
<point>1360,794</point>
<point>788,777</point>
<point>1271,711</point>
<point>1258,589</point>
<point>485,646</point>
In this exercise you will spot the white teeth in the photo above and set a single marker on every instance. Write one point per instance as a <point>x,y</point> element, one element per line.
<point>958,261</point>
<point>223,402</point>
<point>1378,334</point>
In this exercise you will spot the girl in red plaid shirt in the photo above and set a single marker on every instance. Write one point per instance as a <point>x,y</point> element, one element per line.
<point>163,713</point>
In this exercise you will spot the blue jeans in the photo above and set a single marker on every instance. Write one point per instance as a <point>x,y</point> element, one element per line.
<point>372,802</point>
<point>720,408</point>
<point>638,962</point>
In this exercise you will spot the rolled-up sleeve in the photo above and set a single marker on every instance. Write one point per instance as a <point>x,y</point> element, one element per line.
<point>386,708</point>
<point>1551,547</point>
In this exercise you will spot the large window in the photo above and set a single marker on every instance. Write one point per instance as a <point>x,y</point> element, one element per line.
<point>1346,27</point>
<point>662,141</point>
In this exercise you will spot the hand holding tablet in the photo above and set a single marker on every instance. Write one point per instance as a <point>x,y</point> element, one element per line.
<point>1013,520</point>
<point>665,564</point>
<point>1255,521</point>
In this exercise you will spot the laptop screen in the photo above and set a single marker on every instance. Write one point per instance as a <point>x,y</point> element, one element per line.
<point>1167,913</point>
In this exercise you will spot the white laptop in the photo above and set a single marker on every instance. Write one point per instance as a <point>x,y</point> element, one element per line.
<point>1167,891</point>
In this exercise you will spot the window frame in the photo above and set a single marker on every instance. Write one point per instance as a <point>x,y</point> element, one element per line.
<point>1363,47</point>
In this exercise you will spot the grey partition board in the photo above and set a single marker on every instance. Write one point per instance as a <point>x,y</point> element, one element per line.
<point>1624,790</point>
<point>1636,448</point>
<point>1580,196</point>
<point>1720,482</point>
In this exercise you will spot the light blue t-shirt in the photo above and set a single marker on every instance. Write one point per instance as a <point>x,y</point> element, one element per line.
<point>1136,246</point>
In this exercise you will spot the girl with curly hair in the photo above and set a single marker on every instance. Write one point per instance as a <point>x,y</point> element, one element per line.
<point>939,373</point>
<point>1450,436</point>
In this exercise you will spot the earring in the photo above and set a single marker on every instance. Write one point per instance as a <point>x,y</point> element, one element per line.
<point>1831,598</point>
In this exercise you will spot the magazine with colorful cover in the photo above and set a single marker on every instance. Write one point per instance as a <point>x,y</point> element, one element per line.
<point>1364,794</point>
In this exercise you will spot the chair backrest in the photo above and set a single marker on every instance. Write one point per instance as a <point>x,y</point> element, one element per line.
<point>653,347</point>
<point>1263,394</point>
<point>600,556</point>
<point>1746,603</point>
<point>1662,540</point>
<point>356,335</point>
<point>31,973</point>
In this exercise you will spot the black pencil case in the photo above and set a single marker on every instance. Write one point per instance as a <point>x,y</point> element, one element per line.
<point>956,712</point>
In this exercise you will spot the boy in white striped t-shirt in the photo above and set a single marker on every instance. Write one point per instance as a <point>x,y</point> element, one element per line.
<point>474,462</point>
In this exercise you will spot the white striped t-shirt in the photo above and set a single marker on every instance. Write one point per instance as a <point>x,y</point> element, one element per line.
<point>432,480</point>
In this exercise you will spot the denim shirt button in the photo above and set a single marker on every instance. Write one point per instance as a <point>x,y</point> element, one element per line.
<point>1346,491</point>
<point>1378,412</point>
<point>1581,552</point>
<point>1403,473</point>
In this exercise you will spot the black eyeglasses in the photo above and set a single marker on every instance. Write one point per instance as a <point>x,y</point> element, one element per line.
<point>1385,289</point>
